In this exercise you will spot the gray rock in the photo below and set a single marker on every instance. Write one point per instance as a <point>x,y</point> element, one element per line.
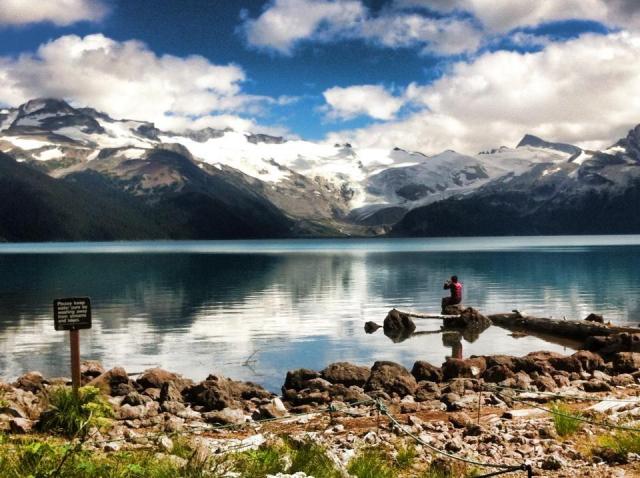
<point>226,416</point>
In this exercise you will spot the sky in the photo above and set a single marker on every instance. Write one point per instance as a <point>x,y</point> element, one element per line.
<point>424,75</point>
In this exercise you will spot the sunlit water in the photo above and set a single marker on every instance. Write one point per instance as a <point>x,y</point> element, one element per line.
<point>206,307</point>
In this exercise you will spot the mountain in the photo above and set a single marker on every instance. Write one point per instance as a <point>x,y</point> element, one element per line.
<point>221,183</point>
<point>598,193</point>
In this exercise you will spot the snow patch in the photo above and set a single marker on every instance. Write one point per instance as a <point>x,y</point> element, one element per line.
<point>53,153</point>
<point>26,144</point>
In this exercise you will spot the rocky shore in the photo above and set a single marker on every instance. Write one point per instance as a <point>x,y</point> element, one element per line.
<point>490,408</point>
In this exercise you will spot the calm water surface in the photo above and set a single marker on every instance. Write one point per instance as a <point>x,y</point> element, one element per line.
<point>206,307</point>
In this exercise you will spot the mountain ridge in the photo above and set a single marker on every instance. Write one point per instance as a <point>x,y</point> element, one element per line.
<point>221,183</point>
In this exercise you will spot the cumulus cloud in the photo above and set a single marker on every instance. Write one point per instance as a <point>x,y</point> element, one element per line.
<point>286,23</point>
<point>369,100</point>
<point>583,90</point>
<point>505,15</point>
<point>127,80</point>
<point>58,12</point>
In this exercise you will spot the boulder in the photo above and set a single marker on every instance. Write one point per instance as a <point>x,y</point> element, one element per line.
<point>306,397</point>
<point>398,326</point>
<point>90,369</point>
<point>31,382</point>
<point>392,378</point>
<point>370,327</point>
<point>212,394</point>
<point>169,393</point>
<point>506,360</point>
<point>626,362</point>
<point>595,318</point>
<point>566,364</point>
<point>589,361</point>
<point>545,383</point>
<point>622,380</point>
<point>217,392</point>
<point>464,368</point>
<point>469,318</point>
<point>109,382</point>
<point>427,391</point>
<point>455,309</point>
<point>346,374</point>
<point>497,373</point>
<point>157,377</point>
<point>354,394</point>
<point>135,398</point>
<point>595,385</point>
<point>425,371</point>
<point>274,409</point>
<point>226,416</point>
<point>296,379</point>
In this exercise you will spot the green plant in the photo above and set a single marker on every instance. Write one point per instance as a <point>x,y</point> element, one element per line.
<point>312,459</point>
<point>267,460</point>
<point>405,457</point>
<point>370,463</point>
<point>565,421</point>
<point>621,442</point>
<point>73,415</point>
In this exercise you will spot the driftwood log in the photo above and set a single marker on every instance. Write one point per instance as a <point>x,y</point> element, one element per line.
<point>575,329</point>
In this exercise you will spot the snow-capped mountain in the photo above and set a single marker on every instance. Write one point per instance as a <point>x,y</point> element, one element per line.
<point>319,188</point>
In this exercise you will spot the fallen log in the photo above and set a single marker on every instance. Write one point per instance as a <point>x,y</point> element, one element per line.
<point>575,329</point>
<point>422,315</point>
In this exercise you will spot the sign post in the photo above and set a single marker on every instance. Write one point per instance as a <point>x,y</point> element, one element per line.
<point>73,314</point>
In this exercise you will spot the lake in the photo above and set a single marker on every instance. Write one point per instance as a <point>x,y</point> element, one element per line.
<point>207,307</point>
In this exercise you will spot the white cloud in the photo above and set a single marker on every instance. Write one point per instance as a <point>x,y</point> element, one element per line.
<point>285,23</point>
<point>369,100</point>
<point>583,90</point>
<point>127,80</point>
<point>58,12</point>
<point>504,15</point>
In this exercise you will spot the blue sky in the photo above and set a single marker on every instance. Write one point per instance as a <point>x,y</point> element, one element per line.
<point>319,68</point>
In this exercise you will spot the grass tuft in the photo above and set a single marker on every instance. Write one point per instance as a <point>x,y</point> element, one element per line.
<point>370,463</point>
<point>621,441</point>
<point>266,460</point>
<point>311,459</point>
<point>405,457</point>
<point>565,424</point>
<point>71,415</point>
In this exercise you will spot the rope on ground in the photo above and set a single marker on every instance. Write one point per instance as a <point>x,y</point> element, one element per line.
<point>567,396</point>
<point>504,468</point>
<point>577,418</point>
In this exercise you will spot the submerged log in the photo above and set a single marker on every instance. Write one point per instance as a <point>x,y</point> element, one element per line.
<point>576,329</point>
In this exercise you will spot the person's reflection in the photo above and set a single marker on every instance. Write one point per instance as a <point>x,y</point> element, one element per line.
<point>456,350</point>
<point>453,340</point>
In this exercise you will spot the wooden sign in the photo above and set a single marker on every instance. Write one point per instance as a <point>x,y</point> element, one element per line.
<point>72,314</point>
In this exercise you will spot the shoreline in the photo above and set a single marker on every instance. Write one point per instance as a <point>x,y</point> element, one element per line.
<point>437,403</point>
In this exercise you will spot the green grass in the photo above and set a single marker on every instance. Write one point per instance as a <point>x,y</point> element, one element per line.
<point>405,457</point>
<point>371,463</point>
<point>267,460</point>
<point>564,420</point>
<point>37,457</point>
<point>312,459</point>
<point>71,415</point>
<point>621,442</point>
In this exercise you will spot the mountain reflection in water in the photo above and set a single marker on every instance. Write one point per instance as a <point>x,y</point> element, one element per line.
<point>300,306</point>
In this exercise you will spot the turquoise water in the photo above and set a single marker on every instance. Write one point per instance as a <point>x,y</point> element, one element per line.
<point>206,307</point>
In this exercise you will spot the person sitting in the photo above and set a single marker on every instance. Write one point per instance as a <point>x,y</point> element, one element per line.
<point>456,292</point>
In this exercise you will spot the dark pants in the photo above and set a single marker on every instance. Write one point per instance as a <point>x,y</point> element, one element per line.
<point>450,301</point>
